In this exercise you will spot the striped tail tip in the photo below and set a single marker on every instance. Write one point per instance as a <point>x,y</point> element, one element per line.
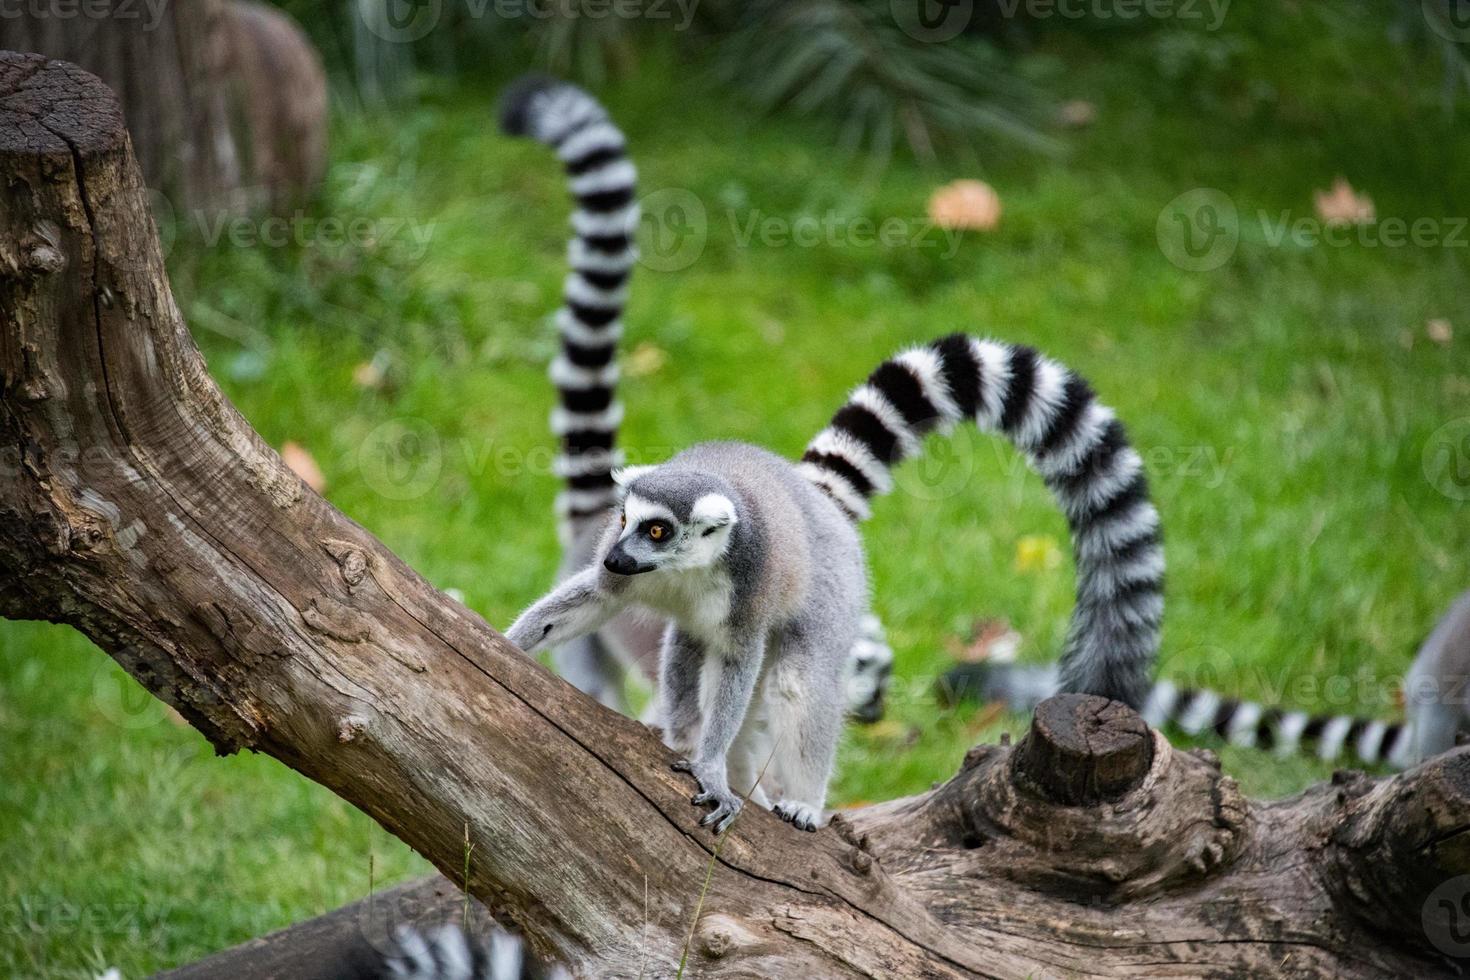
<point>516,102</point>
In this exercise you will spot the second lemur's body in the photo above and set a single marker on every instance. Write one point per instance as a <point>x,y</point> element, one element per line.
<point>757,563</point>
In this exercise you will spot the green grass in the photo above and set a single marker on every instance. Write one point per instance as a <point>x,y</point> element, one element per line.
<point>1283,417</point>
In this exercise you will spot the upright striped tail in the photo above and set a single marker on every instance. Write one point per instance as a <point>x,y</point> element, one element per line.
<point>601,254</point>
<point>1077,446</point>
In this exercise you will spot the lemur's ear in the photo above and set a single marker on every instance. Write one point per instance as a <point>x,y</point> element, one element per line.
<point>625,475</point>
<point>713,511</point>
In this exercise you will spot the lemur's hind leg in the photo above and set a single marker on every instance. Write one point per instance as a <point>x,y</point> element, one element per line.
<point>750,758</point>
<point>805,709</point>
<point>588,665</point>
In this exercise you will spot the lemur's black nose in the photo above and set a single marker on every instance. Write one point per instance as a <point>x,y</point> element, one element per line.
<point>619,562</point>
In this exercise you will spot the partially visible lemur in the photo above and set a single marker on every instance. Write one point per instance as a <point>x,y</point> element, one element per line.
<point>758,564</point>
<point>602,254</point>
<point>1436,702</point>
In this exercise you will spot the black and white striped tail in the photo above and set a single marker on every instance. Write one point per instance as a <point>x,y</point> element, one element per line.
<point>1252,725</point>
<point>1247,724</point>
<point>601,253</point>
<point>1077,446</point>
<point>448,952</point>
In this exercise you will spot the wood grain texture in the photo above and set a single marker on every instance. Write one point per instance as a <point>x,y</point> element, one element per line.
<point>139,507</point>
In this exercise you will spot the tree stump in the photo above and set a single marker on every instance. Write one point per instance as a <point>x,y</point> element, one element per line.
<point>138,506</point>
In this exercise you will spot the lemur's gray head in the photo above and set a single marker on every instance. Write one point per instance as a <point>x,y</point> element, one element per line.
<point>671,518</point>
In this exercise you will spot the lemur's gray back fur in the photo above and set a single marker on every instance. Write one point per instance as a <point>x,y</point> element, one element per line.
<point>1074,442</point>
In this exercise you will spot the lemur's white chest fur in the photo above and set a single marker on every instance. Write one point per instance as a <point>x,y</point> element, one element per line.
<point>698,599</point>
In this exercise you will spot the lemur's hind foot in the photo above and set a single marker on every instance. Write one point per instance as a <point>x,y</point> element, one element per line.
<point>802,815</point>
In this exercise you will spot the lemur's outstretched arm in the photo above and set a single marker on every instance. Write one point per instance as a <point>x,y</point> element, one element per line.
<point>576,607</point>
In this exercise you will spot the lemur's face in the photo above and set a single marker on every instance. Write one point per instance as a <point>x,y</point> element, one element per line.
<point>870,667</point>
<point>653,535</point>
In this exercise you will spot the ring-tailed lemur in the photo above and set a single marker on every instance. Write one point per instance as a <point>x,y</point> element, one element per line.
<point>602,254</point>
<point>1436,702</point>
<point>758,563</point>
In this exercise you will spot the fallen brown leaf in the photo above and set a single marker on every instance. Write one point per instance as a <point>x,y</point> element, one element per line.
<point>1077,113</point>
<point>990,639</point>
<point>645,359</point>
<point>1344,206</point>
<point>968,205</point>
<point>304,466</point>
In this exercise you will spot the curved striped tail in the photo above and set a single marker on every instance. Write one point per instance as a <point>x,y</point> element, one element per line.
<point>1076,445</point>
<point>601,254</point>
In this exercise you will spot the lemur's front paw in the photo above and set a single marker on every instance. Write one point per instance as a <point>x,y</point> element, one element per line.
<point>713,788</point>
<point>802,816</point>
<point>529,632</point>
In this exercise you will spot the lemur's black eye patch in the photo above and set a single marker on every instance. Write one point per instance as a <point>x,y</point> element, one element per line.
<point>656,531</point>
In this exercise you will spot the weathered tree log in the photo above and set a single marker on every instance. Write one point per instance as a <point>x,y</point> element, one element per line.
<point>138,506</point>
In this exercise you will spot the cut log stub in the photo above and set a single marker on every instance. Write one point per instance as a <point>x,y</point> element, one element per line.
<point>1084,750</point>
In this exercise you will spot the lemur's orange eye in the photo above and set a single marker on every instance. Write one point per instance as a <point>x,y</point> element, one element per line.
<point>657,532</point>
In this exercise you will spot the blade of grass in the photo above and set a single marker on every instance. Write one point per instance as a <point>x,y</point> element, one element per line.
<point>709,870</point>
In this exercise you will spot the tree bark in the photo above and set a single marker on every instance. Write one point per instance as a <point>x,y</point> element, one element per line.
<point>138,506</point>
<point>225,100</point>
